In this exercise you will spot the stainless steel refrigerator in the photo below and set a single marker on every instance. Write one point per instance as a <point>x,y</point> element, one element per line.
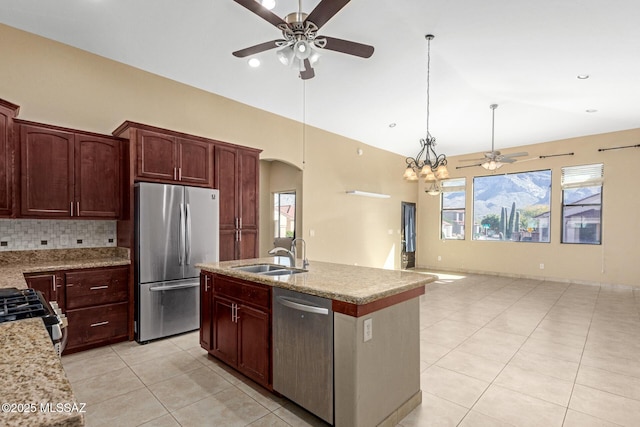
<point>176,227</point>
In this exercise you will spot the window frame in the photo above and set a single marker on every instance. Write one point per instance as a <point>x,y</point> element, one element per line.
<point>453,185</point>
<point>277,224</point>
<point>582,176</point>
<point>548,214</point>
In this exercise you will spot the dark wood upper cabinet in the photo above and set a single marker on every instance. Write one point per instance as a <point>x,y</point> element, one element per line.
<point>195,162</point>
<point>97,176</point>
<point>156,156</point>
<point>7,155</point>
<point>47,157</point>
<point>166,157</point>
<point>67,173</point>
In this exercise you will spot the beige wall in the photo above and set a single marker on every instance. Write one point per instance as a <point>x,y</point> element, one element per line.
<point>613,262</point>
<point>277,176</point>
<point>57,84</point>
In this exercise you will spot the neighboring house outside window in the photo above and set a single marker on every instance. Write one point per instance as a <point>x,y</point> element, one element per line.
<point>452,214</point>
<point>582,204</point>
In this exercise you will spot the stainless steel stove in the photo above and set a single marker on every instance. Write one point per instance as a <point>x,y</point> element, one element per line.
<point>17,304</point>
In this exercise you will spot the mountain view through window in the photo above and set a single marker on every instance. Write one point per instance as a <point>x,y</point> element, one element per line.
<point>512,207</point>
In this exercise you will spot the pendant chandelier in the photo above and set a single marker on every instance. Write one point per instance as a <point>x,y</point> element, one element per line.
<point>427,163</point>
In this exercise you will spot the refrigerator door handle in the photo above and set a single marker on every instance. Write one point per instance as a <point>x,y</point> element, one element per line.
<point>181,233</point>
<point>188,236</point>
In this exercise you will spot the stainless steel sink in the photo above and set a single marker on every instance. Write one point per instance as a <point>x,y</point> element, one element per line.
<point>283,272</point>
<point>269,269</point>
<point>258,268</point>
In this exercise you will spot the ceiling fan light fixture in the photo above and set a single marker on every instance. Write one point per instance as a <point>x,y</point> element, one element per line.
<point>302,49</point>
<point>285,55</point>
<point>492,165</point>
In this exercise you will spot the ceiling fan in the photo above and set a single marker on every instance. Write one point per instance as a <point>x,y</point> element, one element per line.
<point>494,159</point>
<point>300,36</point>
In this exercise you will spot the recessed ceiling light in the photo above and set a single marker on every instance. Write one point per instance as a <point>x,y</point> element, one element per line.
<point>392,125</point>
<point>269,4</point>
<point>591,110</point>
<point>583,76</point>
<point>254,62</point>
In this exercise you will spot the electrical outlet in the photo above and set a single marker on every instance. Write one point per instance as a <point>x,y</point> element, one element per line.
<point>541,266</point>
<point>368,329</point>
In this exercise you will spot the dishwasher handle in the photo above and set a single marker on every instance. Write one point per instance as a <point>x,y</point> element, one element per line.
<point>287,302</point>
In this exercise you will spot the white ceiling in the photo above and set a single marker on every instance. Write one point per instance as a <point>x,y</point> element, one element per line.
<point>523,55</point>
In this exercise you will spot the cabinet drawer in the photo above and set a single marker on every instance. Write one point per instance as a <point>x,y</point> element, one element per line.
<point>94,287</point>
<point>254,294</point>
<point>96,324</point>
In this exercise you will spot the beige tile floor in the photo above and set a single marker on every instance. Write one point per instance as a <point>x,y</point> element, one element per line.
<point>495,351</point>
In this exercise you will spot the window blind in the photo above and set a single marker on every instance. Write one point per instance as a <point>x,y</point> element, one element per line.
<point>582,176</point>
<point>453,184</point>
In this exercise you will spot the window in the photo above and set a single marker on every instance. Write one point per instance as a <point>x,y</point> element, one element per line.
<point>582,204</point>
<point>284,214</point>
<point>512,207</point>
<point>452,213</point>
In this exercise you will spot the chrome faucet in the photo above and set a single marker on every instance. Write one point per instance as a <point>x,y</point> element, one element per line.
<point>305,261</point>
<point>291,255</point>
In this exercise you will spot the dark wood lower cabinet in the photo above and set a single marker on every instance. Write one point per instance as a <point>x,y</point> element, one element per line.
<point>253,355</point>
<point>240,326</point>
<point>92,326</point>
<point>95,300</point>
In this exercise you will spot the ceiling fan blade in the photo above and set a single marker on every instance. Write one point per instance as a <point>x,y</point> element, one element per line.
<point>507,160</point>
<point>324,11</point>
<point>242,53</point>
<point>519,154</point>
<point>261,11</point>
<point>308,72</point>
<point>348,47</point>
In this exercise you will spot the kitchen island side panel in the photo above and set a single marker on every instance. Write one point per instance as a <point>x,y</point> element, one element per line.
<point>375,379</point>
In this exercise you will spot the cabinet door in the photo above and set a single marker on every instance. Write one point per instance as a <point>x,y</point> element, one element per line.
<point>156,155</point>
<point>47,171</point>
<point>51,285</point>
<point>248,243</point>
<point>249,182</point>
<point>6,161</point>
<point>97,177</point>
<point>205,311</point>
<point>226,171</point>
<point>227,245</point>
<point>195,162</point>
<point>225,331</point>
<point>253,350</point>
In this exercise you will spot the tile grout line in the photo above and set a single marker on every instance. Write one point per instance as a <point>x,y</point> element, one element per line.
<point>516,352</point>
<point>581,355</point>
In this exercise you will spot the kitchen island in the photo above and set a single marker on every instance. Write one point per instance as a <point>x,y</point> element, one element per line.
<point>377,380</point>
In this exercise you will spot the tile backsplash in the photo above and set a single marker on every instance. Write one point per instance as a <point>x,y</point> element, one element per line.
<point>33,234</point>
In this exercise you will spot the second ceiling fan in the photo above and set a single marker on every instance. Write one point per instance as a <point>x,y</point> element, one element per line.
<point>300,42</point>
<point>494,159</point>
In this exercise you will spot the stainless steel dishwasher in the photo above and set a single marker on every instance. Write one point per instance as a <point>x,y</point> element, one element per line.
<point>303,350</point>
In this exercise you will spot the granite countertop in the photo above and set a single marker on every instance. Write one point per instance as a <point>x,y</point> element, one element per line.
<point>339,282</point>
<point>32,374</point>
